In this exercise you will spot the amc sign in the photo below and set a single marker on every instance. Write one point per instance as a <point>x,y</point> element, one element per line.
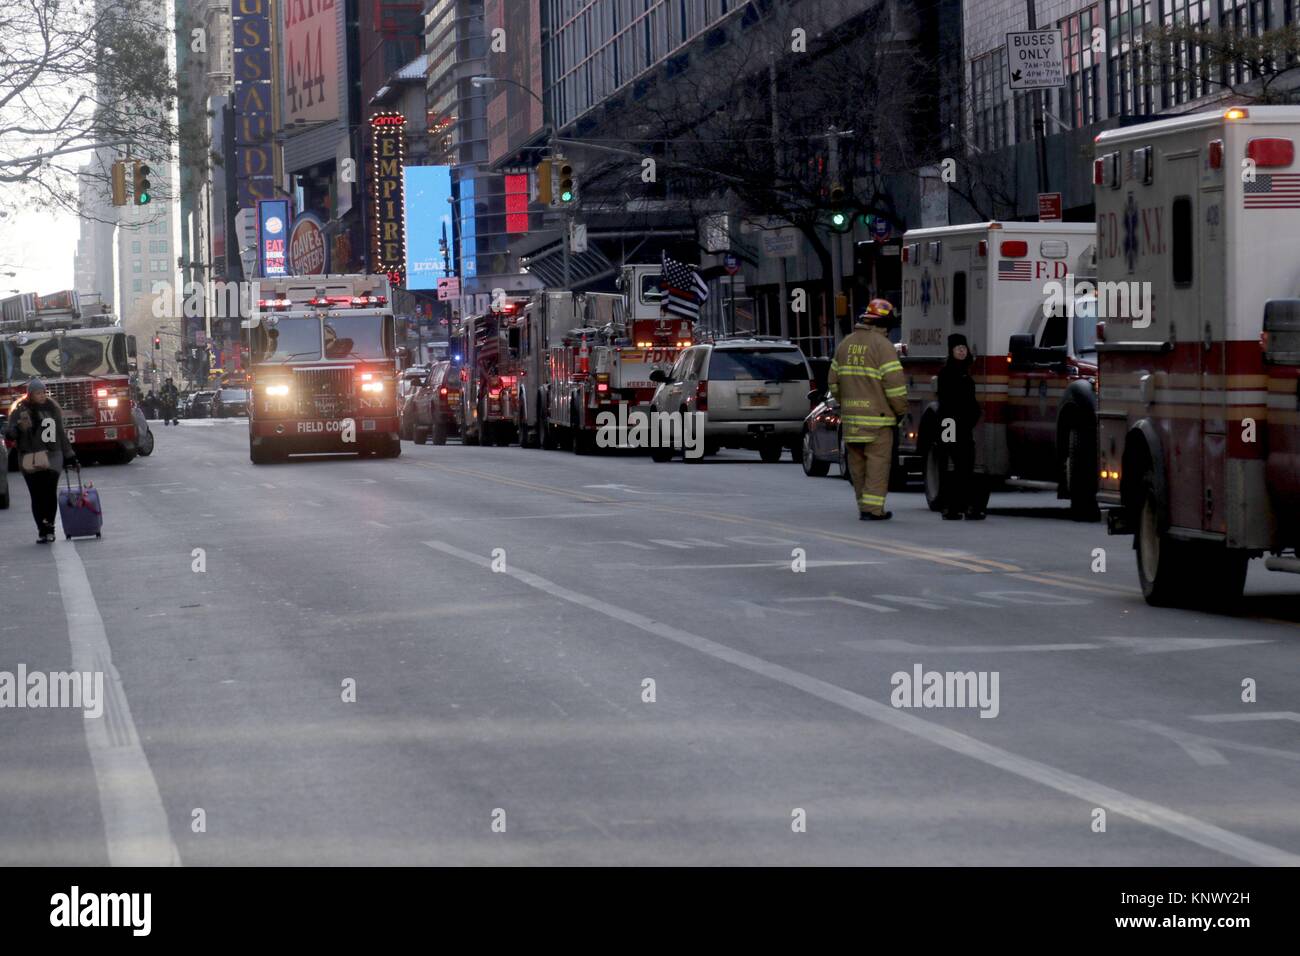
<point>307,247</point>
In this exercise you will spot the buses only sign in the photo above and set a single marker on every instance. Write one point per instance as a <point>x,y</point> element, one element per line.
<point>1035,60</point>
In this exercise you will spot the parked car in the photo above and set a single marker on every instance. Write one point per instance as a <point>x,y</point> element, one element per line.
<point>200,404</point>
<point>823,443</point>
<point>230,402</point>
<point>409,386</point>
<point>444,401</point>
<point>753,392</point>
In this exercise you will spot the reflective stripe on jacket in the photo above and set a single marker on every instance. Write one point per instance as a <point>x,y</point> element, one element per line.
<point>867,380</point>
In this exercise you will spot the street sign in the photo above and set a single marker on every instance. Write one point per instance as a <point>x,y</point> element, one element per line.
<point>1049,207</point>
<point>731,264</point>
<point>881,230</point>
<point>448,288</point>
<point>1035,60</point>
<point>578,238</point>
<point>780,243</point>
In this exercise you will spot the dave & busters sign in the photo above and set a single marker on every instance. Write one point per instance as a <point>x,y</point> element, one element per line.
<point>307,248</point>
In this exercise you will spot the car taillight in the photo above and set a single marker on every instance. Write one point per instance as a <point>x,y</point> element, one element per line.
<point>702,396</point>
<point>443,390</point>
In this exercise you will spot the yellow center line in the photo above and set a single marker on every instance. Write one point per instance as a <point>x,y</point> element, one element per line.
<point>1039,579</point>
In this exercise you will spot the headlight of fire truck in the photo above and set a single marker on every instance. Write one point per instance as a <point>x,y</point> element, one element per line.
<point>279,390</point>
<point>369,383</point>
<point>106,398</point>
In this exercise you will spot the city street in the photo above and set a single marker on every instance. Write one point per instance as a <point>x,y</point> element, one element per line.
<point>495,655</point>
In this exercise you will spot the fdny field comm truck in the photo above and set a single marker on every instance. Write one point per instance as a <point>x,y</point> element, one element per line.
<point>1200,400</point>
<point>588,353</point>
<point>85,359</point>
<point>324,367</point>
<point>1034,369</point>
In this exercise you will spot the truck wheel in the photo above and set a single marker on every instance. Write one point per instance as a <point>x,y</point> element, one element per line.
<point>259,454</point>
<point>934,464</point>
<point>439,434</point>
<point>1080,476</point>
<point>770,452</point>
<point>813,467</point>
<point>422,436</point>
<point>660,453</point>
<point>145,448</point>
<point>1163,563</point>
<point>393,448</point>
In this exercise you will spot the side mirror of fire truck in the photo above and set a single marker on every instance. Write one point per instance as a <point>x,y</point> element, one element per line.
<point>1021,348</point>
<point>658,375</point>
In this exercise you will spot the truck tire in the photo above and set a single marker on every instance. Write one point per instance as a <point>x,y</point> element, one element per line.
<point>1163,563</point>
<point>421,435</point>
<point>660,454</point>
<point>770,452</point>
<point>260,454</point>
<point>933,476</point>
<point>1080,475</point>
<point>813,467</point>
<point>145,447</point>
<point>439,433</point>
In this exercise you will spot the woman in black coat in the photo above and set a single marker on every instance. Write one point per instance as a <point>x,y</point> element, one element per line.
<point>959,410</point>
<point>36,425</point>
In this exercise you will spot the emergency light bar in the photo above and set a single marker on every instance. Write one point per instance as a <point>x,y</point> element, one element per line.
<point>352,300</point>
<point>274,303</point>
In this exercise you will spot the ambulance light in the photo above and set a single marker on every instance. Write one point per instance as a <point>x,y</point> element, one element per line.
<point>1237,113</point>
<point>1216,154</point>
<point>982,248</point>
<point>1014,248</point>
<point>1271,151</point>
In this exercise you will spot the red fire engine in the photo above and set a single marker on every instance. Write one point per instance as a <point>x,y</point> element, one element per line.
<point>490,375</point>
<point>588,353</point>
<point>324,368</point>
<point>1199,445</point>
<point>84,358</point>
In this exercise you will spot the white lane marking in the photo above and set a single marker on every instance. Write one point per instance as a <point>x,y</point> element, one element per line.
<point>267,484</point>
<point>379,524</point>
<point>135,494</point>
<point>1092,793</point>
<point>849,601</point>
<point>686,544</point>
<point>1262,715</point>
<point>893,644</point>
<point>135,823</point>
<point>575,514</point>
<point>1164,645</point>
<point>312,504</point>
<point>785,565</point>
<point>1206,750</point>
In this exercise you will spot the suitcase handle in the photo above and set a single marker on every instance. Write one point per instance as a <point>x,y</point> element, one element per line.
<point>81,500</point>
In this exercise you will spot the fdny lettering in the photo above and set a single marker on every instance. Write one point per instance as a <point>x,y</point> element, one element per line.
<point>1153,238</point>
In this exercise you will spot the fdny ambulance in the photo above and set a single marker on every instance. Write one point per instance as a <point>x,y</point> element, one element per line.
<point>1034,368</point>
<point>1200,401</point>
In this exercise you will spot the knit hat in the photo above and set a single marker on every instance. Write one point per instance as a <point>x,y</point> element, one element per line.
<point>35,385</point>
<point>955,340</point>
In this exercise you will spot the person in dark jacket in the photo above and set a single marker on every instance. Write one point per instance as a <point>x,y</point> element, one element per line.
<point>36,425</point>
<point>959,410</point>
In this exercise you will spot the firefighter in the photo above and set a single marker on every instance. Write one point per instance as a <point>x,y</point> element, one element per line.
<point>170,398</point>
<point>866,379</point>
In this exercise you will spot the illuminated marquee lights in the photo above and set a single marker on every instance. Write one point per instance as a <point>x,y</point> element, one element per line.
<point>387,228</point>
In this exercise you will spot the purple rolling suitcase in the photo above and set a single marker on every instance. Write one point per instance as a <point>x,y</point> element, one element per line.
<point>79,509</point>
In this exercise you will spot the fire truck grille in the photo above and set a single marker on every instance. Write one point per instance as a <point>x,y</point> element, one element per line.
<point>77,401</point>
<point>324,392</point>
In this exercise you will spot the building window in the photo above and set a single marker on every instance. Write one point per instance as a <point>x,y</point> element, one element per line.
<point>989,100</point>
<point>135,245</point>
<point>137,266</point>
<point>1078,101</point>
<point>1128,68</point>
<point>135,285</point>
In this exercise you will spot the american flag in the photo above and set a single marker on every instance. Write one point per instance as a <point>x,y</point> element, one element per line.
<point>1272,191</point>
<point>683,289</point>
<point>1015,270</point>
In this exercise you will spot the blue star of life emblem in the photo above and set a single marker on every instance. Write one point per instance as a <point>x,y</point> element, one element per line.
<point>1131,233</point>
<point>925,292</point>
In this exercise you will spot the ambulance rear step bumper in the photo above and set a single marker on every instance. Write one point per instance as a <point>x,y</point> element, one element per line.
<point>1291,564</point>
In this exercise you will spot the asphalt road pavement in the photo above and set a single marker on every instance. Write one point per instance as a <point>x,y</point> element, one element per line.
<point>498,655</point>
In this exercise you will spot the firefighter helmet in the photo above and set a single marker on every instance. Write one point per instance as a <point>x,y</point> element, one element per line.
<point>879,307</point>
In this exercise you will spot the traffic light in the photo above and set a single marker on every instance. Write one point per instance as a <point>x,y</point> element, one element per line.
<point>544,182</point>
<point>119,183</point>
<point>157,341</point>
<point>142,194</point>
<point>566,189</point>
<point>841,218</point>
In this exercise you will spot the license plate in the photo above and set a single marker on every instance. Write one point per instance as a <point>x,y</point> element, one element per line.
<point>762,428</point>
<point>756,401</point>
<point>367,425</point>
<point>110,432</point>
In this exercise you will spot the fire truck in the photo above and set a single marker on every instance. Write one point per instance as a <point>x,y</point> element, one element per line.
<point>1035,368</point>
<point>85,360</point>
<point>488,344</point>
<point>588,353</point>
<point>323,360</point>
<point>1200,400</point>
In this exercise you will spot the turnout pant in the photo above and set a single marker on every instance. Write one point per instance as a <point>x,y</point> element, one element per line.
<point>44,489</point>
<point>869,467</point>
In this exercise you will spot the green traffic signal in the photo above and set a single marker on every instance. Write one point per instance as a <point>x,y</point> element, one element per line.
<point>141,184</point>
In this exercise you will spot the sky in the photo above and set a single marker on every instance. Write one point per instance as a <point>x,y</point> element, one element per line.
<point>39,246</point>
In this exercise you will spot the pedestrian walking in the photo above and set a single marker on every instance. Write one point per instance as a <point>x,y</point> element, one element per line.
<point>36,428</point>
<point>867,380</point>
<point>959,410</point>
<point>170,399</point>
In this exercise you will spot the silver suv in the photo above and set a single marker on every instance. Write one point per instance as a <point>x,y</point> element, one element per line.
<point>752,391</point>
